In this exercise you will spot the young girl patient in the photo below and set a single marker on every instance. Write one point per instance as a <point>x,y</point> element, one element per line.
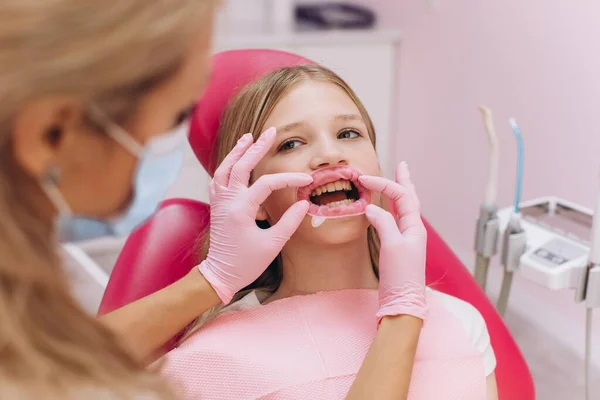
<point>303,328</point>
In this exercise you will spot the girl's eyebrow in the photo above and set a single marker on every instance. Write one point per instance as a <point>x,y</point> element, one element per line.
<point>299,124</point>
<point>348,117</point>
<point>290,127</point>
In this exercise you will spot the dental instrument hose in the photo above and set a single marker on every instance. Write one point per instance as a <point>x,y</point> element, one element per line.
<point>504,292</point>
<point>591,296</point>
<point>588,291</point>
<point>486,232</point>
<point>588,353</point>
<point>482,266</point>
<point>515,240</point>
<point>519,186</point>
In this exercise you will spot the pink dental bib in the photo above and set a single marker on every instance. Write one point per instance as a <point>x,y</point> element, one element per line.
<point>311,347</point>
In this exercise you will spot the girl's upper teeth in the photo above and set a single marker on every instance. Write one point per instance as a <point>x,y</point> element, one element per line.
<point>332,187</point>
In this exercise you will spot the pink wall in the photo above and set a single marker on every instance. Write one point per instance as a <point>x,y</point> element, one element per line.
<point>536,60</point>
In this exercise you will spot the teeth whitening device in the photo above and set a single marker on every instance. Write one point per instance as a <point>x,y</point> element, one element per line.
<point>551,241</point>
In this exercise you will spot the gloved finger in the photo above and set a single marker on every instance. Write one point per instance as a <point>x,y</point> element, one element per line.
<point>221,175</point>
<point>383,222</point>
<point>404,179</point>
<point>267,184</point>
<point>402,174</point>
<point>290,220</point>
<point>406,208</point>
<point>414,190</point>
<point>415,226</point>
<point>392,190</point>
<point>240,173</point>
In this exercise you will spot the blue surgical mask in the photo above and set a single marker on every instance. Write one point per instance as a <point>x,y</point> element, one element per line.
<point>160,161</point>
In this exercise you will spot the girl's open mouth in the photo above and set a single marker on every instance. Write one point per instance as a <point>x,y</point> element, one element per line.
<point>335,192</point>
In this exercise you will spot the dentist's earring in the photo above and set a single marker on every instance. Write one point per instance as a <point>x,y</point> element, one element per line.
<point>49,185</point>
<point>52,175</point>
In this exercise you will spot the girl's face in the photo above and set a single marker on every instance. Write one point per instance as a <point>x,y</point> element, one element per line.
<point>318,128</point>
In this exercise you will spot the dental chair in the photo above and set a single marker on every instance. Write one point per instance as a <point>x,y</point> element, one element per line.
<point>163,250</point>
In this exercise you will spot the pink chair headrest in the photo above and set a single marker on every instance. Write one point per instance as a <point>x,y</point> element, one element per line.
<point>231,72</point>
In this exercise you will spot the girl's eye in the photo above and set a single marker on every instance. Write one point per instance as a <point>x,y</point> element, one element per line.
<point>348,134</point>
<point>289,145</point>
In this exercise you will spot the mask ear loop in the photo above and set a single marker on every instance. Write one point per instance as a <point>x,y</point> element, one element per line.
<point>49,186</point>
<point>113,130</point>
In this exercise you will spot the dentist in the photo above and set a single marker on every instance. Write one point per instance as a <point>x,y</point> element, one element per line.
<point>94,98</point>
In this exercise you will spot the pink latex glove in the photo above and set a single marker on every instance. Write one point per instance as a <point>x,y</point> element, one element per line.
<point>403,246</point>
<point>239,250</point>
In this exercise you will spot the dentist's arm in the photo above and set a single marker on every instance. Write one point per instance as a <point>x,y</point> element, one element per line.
<point>147,324</point>
<point>387,368</point>
<point>235,240</point>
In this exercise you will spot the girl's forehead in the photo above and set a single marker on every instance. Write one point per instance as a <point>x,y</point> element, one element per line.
<point>312,99</point>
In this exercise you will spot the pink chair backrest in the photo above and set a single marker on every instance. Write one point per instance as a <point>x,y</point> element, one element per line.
<point>232,71</point>
<point>159,253</point>
<point>165,248</point>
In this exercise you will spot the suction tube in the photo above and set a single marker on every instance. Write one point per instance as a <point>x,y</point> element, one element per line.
<point>486,231</point>
<point>491,193</point>
<point>519,185</point>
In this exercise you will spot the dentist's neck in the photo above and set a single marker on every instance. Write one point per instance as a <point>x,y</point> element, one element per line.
<point>310,268</point>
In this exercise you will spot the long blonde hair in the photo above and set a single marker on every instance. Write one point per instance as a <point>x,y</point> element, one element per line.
<point>248,111</point>
<point>111,53</point>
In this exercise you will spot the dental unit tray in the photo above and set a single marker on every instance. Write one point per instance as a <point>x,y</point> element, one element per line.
<point>558,240</point>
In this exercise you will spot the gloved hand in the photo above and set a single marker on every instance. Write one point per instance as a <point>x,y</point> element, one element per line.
<point>239,250</point>
<point>403,246</point>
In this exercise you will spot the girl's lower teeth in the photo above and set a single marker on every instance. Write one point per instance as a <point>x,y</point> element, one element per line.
<point>340,203</point>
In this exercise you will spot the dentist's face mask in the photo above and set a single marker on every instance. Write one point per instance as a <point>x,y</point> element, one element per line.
<point>160,161</point>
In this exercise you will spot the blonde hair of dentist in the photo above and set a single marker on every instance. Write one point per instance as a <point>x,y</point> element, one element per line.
<point>49,346</point>
<point>247,112</point>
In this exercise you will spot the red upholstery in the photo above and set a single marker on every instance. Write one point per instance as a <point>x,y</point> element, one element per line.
<point>164,249</point>
<point>157,254</point>
<point>232,70</point>
<point>446,273</point>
